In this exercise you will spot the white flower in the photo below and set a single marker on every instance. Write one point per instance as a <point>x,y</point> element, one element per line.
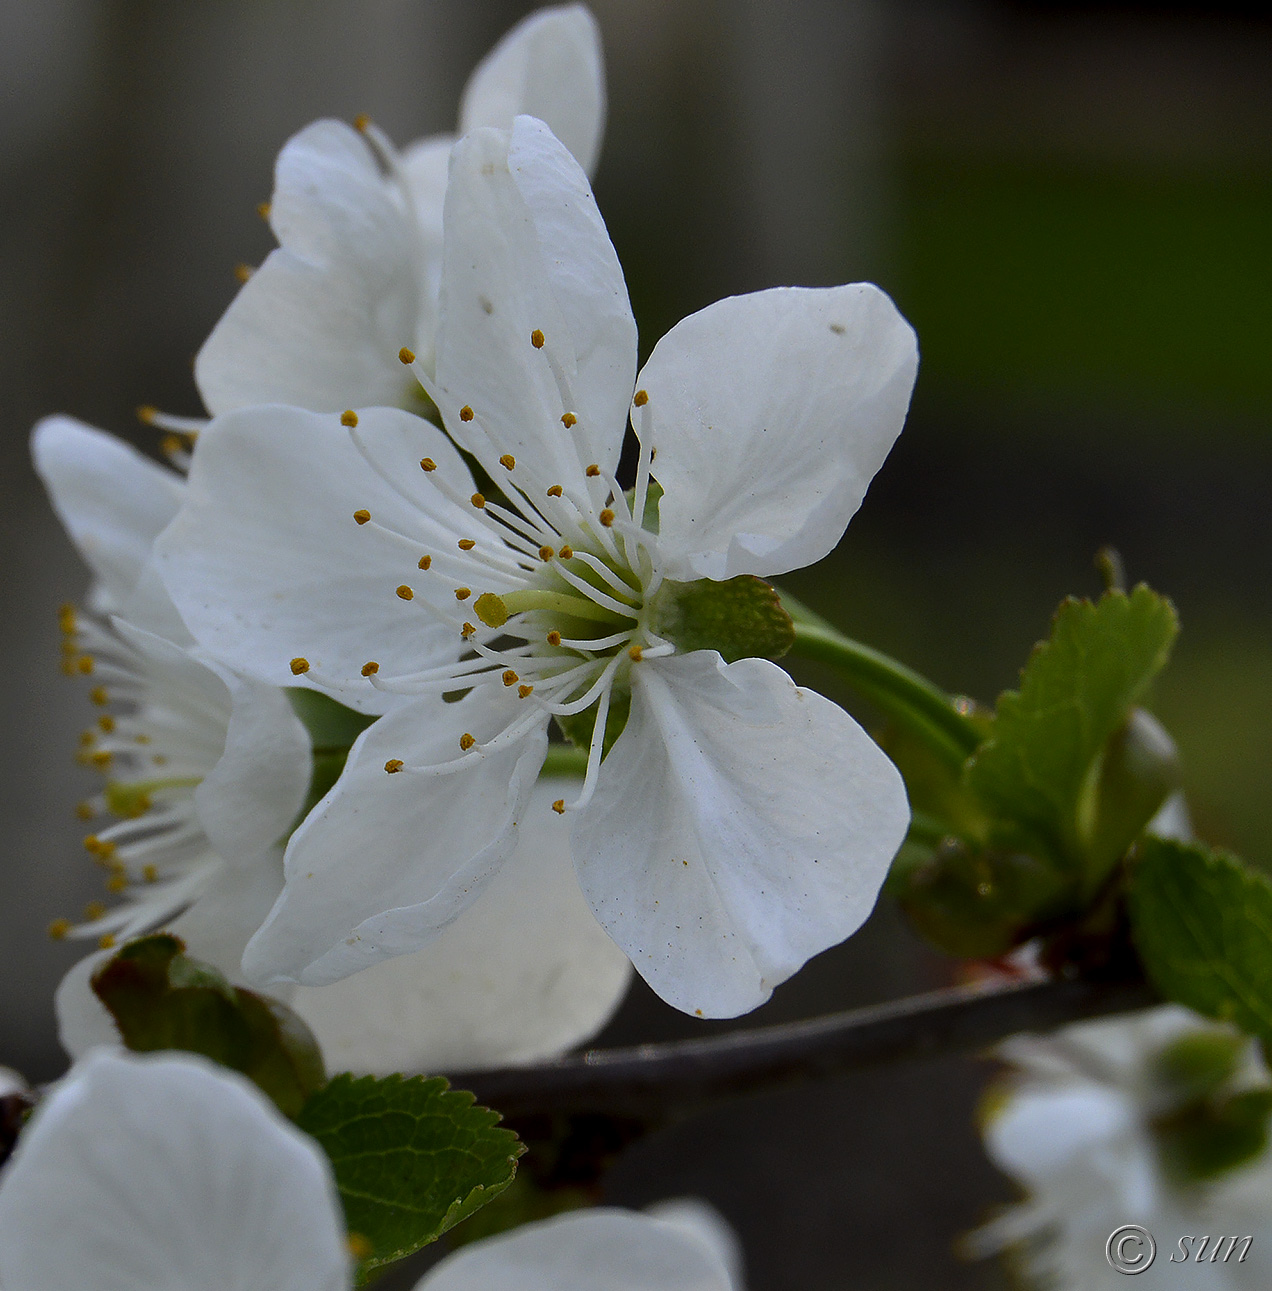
<point>739,824</point>
<point>207,770</point>
<point>355,277</point>
<point>165,1173</point>
<point>1080,1129</point>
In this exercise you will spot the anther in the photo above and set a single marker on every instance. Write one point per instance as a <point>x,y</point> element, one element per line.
<point>349,418</point>
<point>263,209</point>
<point>478,501</point>
<point>510,678</point>
<point>106,722</point>
<point>467,631</point>
<point>298,665</point>
<point>360,122</point>
<point>85,664</point>
<point>508,462</point>
<point>171,445</point>
<point>243,272</point>
<point>427,464</point>
<point>87,739</point>
<point>405,593</point>
<point>106,941</point>
<point>593,471</point>
<point>393,765</point>
<point>491,610</point>
<point>146,414</point>
<point>117,883</point>
<point>98,696</point>
<point>66,618</point>
<point>466,741</point>
<point>606,517</point>
<point>102,759</point>
<point>370,668</point>
<point>536,339</point>
<point>94,910</point>
<point>555,491</point>
<point>84,811</point>
<point>467,544</point>
<point>465,413</point>
<point>463,593</point>
<point>554,638</point>
<point>546,553</point>
<point>568,419</point>
<point>525,691</point>
<point>58,928</point>
<point>559,806</point>
<point>425,561</point>
<point>406,356</point>
<point>566,552</point>
<point>640,398</point>
<point>362,515</point>
<point>636,654</point>
<point>150,873</point>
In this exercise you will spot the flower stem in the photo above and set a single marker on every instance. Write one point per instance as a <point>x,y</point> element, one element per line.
<point>900,692</point>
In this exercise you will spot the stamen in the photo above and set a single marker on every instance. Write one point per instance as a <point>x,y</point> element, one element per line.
<point>606,517</point>
<point>640,398</point>
<point>508,462</point>
<point>95,910</point>
<point>510,678</point>
<point>468,631</point>
<point>427,464</point>
<point>405,593</point>
<point>555,491</point>
<point>636,654</point>
<point>362,516</point>
<point>406,356</point>
<point>546,552</point>
<point>559,806</point>
<point>568,419</point>
<point>467,544</point>
<point>536,339</point>
<point>465,413</point>
<point>425,562</point>
<point>106,941</point>
<point>463,593</point>
<point>593,471</point>
<point>263,209</point>
<point>361,122</point>
<point>525,691</point>
<point>394,765</point>
<point>566,552</point>
<point>349,418</point>
<point>370,668</point>
<point>554,638</point>
<point>478,501</point>
<point>243,272</point>
<point>466,741</point>
<point>58,929</point>
<point>299,665</point>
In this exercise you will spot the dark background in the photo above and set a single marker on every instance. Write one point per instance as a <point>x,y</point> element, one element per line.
<point>1071,203</point>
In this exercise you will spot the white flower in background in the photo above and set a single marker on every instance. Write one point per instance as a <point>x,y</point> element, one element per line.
<point>207,770</point>
<point>739,824</point>
<point>166,1173</point>
<point>355,277</point>
<point>1080,1127</point>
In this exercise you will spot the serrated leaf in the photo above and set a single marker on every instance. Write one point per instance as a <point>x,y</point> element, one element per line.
<point>1202,923</point>
<point>162,999</point>
<point>1039,771</point>
<point>412,1157</point>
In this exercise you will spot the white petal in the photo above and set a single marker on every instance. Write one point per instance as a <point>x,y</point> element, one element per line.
<point>153,1173</point>
<point>112,501</point>
<point>770,415</point>
<point>265,560</point>
<point>740,826</point>
<point>593,1250</point>
<point>320,323</point>
<point>701,1220</point>
<point>385,862</point>
<point>426,168</point>
<point>526,250</point>
<point>524,973</point>
<point>82,1020</point>
<point>548,66</point>
<point>252,797</point>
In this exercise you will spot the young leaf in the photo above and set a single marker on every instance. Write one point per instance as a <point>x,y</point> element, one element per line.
<point>1040,769</point>
<point>161,999</point>
<point>412,1157</point>
<point>1202,923</point>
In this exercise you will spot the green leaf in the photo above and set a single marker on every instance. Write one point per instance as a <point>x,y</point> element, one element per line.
<point>1040,771</point>
<point>741,617</point>
<point>1202,923</point>
<point>412,1157</point>
<point>162,999</point>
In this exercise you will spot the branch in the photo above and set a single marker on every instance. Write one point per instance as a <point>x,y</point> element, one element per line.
<point>655,1080</point>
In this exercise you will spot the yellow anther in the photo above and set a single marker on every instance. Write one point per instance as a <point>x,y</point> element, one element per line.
<point>463,593</point>
<point>393,765</point>
<point>106,941</point>
<point>466,741</point>
<point>159,760</point>
<point>106,722</point>
<point>491,610</point>
<point>171,445</point>
<point>640,398</point>
<point>370,668</point>
<point>94,910</point>
<point>427,464</point>
<point>635,654</point>
<point>510,678</point>
<point>559,806</point>
<point>361,122</point>
<point>593,471</point>
<point>84,811</point>
<point>66,618</point>
<point>525,691</point>
<point>298,665</point>
<point>536,339</point>
<point>508,462</point>
<point>87,739</point>
<point>85,664</point>
<point>359,1247</point>
<point>606,517</point>
<point>362,515</point>
<point>58,928</point>
<point>425,562</point>
<point>102,759</point>
<point>243,272</point>
<point>467,631</point>
<point>141,739</point>
<point>554,638</point>
<point>263,209</point>
<point>465,413</point>
<point>568,419</point>
<point>566,552</point>
<point>406,356</point>
<point>555,491</point>
<point>478,501</point>
<point>349,418</point>
<point>405,592</point>
<point>546,553</point>
<point>68,667</point>
<point>146,414</point>
<point>98,696</point>
<point>467,544</point>
<point>150,873</point>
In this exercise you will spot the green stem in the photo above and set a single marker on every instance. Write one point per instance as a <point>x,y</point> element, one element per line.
<point>900,692</point>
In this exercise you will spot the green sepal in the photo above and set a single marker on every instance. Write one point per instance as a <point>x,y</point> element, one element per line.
<point>162,999</point>
<point>1198,1064</point>
<point>411,1157</point>
<point>332,730</point>
<point>742,618</point>
<point>1201,920</point>
<point>1209,1138</point>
